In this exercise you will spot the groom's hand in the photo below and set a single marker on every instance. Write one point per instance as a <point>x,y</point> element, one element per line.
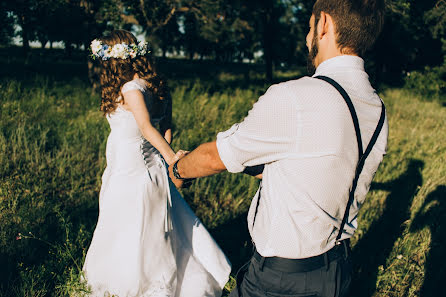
<point>179,183</point>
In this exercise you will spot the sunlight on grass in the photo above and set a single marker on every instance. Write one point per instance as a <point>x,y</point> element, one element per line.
<point>52,154</point>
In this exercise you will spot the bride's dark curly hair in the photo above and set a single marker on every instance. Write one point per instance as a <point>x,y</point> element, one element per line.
<point>115,72</point>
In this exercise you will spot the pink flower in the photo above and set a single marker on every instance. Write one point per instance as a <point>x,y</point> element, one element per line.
<point>19,236</point>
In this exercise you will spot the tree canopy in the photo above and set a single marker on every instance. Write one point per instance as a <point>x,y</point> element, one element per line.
<point>269,31</point>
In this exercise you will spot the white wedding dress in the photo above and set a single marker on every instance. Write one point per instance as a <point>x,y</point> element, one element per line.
<point>147,241</point>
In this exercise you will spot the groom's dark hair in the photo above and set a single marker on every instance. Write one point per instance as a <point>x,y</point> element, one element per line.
<point>358,22</point>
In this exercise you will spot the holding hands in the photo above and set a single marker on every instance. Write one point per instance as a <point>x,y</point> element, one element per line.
<point>173,171</point>
<point>203,161</point>
<point>180,154</point>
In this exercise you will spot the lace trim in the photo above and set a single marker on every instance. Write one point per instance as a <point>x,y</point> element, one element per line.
<point>129,86</point>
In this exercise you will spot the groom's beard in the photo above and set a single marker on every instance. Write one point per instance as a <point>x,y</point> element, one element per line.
<point>311,67</point>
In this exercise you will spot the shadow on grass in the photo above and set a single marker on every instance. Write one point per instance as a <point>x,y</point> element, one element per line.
<point>42,262</point>
<point>374,247</point>
<point>433,215</point>
<point>235,241</point>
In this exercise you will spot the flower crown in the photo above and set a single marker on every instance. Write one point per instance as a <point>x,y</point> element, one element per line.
<point>120,50</point>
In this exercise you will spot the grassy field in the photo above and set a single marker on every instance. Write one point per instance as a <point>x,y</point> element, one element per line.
<point>52,154</point>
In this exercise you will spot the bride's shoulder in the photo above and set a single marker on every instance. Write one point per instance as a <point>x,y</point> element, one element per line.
<point>135,84</point>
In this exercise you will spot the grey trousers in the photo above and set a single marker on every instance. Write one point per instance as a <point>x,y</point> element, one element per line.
<point>332,280</point>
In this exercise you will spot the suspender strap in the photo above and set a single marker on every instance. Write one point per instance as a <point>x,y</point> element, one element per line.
<point>351,108</point>
<point>257,206</point>
<point>362,156</point>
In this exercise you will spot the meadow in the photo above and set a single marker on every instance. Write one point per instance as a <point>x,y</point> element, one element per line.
<point>52,154</point>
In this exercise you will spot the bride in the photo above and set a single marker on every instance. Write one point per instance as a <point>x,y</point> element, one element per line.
<point>147,241</point>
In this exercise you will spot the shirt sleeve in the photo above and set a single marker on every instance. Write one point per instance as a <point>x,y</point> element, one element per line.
<point>267,133</point>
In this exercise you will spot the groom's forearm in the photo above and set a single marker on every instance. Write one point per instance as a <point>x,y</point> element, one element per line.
<point>203,161</point>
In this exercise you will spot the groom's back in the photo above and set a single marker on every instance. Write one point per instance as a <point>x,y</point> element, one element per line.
<point>303,131</point>
<point>313,183</point>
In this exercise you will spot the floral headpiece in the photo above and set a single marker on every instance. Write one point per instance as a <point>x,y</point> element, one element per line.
<point>120,50</point>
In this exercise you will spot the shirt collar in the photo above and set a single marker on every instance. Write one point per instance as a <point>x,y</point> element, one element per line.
<point>344,61</point>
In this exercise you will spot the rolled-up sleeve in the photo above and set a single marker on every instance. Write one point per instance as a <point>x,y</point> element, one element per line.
<point>264,136</point>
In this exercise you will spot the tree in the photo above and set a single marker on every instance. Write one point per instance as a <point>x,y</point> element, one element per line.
<point>155,14</point>
<point>24,10</point>
<point>406,43</point>
<point>436,20</point>
<point>6,24</point>
<point>88,19</point>
<point>279,28</point>
<point>167,38</point>
<point>160,18</point>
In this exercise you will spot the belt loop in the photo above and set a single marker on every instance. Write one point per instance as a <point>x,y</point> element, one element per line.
<point>327,264</point>
<point>262,262</point>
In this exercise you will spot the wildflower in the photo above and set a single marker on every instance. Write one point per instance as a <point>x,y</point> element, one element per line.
<point>19,236</point>
<point>95,46</point>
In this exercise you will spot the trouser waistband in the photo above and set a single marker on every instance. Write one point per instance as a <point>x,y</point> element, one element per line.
<point>307,264</point>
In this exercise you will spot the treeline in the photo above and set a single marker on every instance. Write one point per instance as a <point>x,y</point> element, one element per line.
<point>271,31</point>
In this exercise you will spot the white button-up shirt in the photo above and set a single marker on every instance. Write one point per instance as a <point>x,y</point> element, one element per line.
<point>303,132</point>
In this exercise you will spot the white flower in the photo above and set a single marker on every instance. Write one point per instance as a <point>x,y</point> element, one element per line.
<point>95,46</point>
<point>142,47</point>
<point>118,51</point>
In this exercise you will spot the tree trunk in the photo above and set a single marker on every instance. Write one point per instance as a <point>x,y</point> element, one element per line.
<point>25,34</point>
<point>43,43</point>
<point>68,48</point>
<point>267,39</point>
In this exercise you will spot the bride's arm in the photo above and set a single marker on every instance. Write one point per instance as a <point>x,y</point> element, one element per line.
<point>134,102</point>
<point>168,135</point>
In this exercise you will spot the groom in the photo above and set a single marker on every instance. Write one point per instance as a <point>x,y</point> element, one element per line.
<point>321,140</point>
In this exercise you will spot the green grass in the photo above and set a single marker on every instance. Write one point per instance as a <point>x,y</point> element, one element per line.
<point>52,154</point>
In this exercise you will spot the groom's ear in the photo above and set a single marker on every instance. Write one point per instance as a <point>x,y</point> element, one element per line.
<point>323,25</point>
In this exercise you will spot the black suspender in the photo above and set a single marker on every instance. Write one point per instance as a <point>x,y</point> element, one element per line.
<point>257,206</point>
<point>362,155</point>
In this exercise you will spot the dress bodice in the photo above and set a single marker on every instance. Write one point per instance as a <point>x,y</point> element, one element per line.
<point>123,122</point>
<point>127,149</point>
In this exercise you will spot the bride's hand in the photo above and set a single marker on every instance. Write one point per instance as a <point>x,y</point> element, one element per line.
<point>180,154</point>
